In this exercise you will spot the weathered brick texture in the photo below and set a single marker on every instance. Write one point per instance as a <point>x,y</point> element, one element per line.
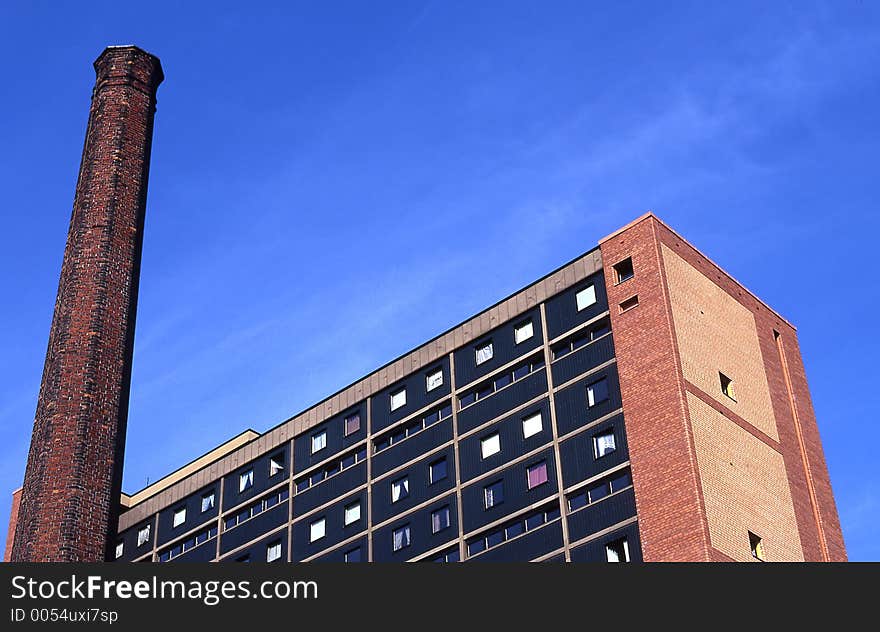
<point>72,483</point>
<point>13,520</point>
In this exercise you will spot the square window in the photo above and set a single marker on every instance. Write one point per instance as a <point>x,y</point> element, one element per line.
<point>179,517</point>
<point>495,538</point>
<point>399,489</point>
<point>757,546</point>
<point>576,502</point>
<point>207,502</point>
<point>523,332</point>
<point>484,353</point>
<point>598,492</point>
<point>513,530</point>
<point>599,331</point>
<point>400,538</point>
<point>623,271</point>
<point>726,385</point>
<point>586,297</point>
<point>398,399</point>
<point>273,551</point>
<point>440,519</point>
<point>434,380</point>
<point>353,555</point>
<point>621,482</point>
<point>276,464</point>
<point>143,535</point>
<point>317,529</point>
<point>597,392</point>
<point>490,445</point>
<point>352,424</point>
<point>437,470</point>
<point>532,425</point>
<point>493,494</point>
<point>537,474</point>
<point>477,546</point>
<point>617,551</point>
<point>245,480</point>
<point>604,443</point>
<point>120,547</point>
<point>352,513</point>
<point>319,441</point>
<point>534,521</point>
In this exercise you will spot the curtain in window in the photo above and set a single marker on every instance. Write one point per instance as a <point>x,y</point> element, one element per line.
<point>611,554</point>
<point>484,353</point>
<point>491,497</point>
<point>537,475</point>
<point>143,535</point>
<point>399,489</point>
<point>401,538</point>
<point>605,444</point>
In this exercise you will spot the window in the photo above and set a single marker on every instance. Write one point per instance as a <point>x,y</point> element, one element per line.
<point>440,519</point>
<point>434,380</point>
<point>484,353</point>
<point>398,399</point>
<point>400,538</point>
<point>604,443</point>
<point>755,544</point>
<point>597,392</point>
<point>632,301</point>
<point>353,555</point>
<point>143,535</point>
<point>244,558</point>
<point>623,271</point>
<point>179,517</point>
<point>352,423</point>
<point>207,502</point>
<point>273,551</point>
<point>586,297</point>
<point>120,547</point>
<point>726,386</point>
<point>523,332</point>
<point>532,425</point>
<point>245,480</point>
<point>317,529</point>
<point>490,445</point>
<point>276,464</point>
<point>437,470</point>
<point>617,551</point>
<point>319,441</point>
<point>537,474</point>
<point>493,494</point>
<point>352,513</point>
<point>399,489</point>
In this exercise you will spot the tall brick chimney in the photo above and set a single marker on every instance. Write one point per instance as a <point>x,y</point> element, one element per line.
<point>70,498</point>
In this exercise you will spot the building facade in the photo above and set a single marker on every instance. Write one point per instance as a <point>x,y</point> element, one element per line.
<point>635,404</point>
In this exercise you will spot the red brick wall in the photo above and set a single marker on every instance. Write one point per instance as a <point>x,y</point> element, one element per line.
<point>72,482</point>
<point>13,520</point>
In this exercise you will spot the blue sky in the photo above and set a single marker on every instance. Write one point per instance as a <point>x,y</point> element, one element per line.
<point>335,183</point>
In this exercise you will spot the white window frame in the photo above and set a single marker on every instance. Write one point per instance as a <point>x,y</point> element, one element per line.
<point>349,511</point>
<point>273,552</point>
<point>585,298</point>
<point>489,353</point>
<point>120,549</point>
<point>143,535</point>
<point>532,425</point>
<point>490,446</point>
<point>523,332</point>
<point>320,440</point>
<point>398,399</point>
<point>607,438</point>
<point>245,480</point>
<point>434,380</point>
<point>179,517</point>
<point>317,529</point>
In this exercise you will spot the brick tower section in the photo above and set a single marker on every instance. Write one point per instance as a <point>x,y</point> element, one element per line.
<point>70,497</point>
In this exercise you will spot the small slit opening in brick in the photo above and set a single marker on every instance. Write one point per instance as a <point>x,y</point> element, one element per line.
<point>629,303</point>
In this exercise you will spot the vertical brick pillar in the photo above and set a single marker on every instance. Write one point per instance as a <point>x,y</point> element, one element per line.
<point>70,497</point>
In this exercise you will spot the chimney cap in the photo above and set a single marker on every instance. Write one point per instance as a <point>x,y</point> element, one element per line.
<point>159,75</point>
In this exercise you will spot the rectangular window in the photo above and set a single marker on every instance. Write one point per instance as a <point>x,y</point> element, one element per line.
<point>273,551</point>
<point>437,470</point>
<point>352,513</point>
<point>493,494</point>
<point>353,555</point>
<point>245,480</point>
<point>319,441</point>
<point>276,464</point>
<point>399,489</point>
<point>352,423</point>
<point>523,332</point>
<point>440,519</point>
<point>726,385</point>
<point>143,535</point>
<point>628,304</point>
<point>179,517</point>
<point>532,425</point>
<point>398,399</point>
<point>207,502</point>
<point>756,546</point>
<point>400,538</point>
<point>120,547</point>
<point>537,474</point>
<point>623,271</point>
<point>244,558</point>
<point>484,353</point>
<point>434,380</point>
<point>490,445</point>
<point>604,443</point>
<point>586,297</point>
<point>317,529</point>
<point>617,551</point>
<point>597,392</point>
